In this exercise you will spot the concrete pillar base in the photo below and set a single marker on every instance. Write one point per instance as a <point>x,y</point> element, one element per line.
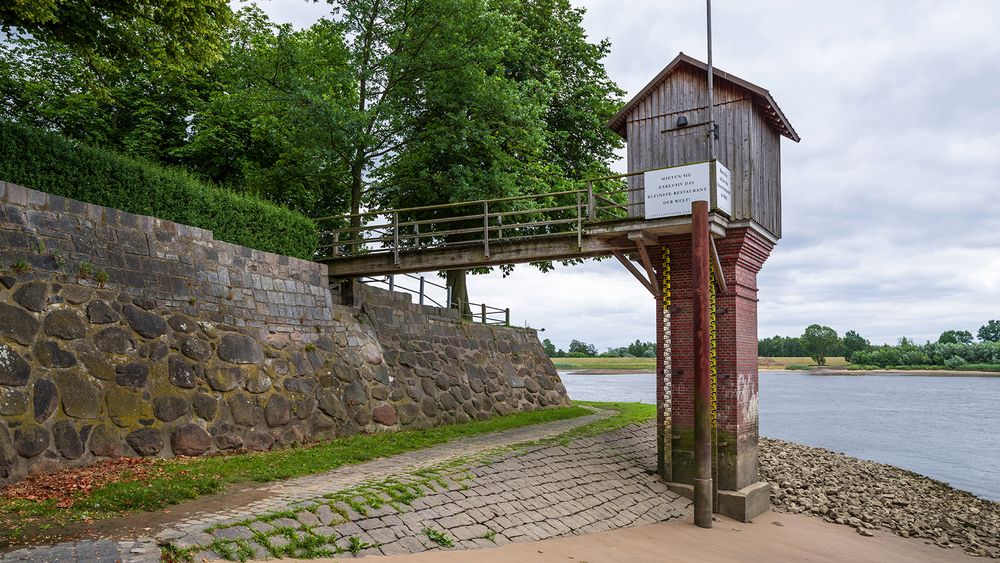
<point>743,505</point>
<point>747,503</point>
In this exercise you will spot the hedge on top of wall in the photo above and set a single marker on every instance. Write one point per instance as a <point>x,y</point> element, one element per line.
<point>52,163</point>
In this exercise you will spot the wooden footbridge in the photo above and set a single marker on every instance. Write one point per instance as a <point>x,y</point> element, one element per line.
<point>604,218</point>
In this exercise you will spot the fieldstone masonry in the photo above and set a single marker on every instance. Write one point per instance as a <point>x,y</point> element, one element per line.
<point>188,345</point>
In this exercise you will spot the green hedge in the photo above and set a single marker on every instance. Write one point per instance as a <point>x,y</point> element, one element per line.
<point>52,163</point>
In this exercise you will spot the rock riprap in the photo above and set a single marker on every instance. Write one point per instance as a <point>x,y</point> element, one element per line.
<point>89,372</point>
<point>873,496</point>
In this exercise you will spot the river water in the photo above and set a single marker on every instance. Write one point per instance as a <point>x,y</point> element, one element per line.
<point>947,428</point>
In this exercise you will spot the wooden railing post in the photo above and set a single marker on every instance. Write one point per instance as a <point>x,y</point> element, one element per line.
<point>484,312</point>
<point>486,229</point>
<point>392,282</point>
<point>336,243</point>
<point>421,290</point>
<point>395,237</point>
<point>591,205</point>
<point>579,222</point>
<point>506,316</point>
<point>449,298</point>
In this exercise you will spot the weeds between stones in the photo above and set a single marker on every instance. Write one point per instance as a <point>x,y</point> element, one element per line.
<point>439,537</point>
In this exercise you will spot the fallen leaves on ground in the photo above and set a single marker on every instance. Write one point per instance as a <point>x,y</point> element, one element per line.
<point>68,485</point>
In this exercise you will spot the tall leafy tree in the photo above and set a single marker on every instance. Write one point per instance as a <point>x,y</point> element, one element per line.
<point>273,124</point>
<point>179,32</point>
<point>955,337</point>
<point>854,342</point>
<point>818,342</point>
<point>989,332</point>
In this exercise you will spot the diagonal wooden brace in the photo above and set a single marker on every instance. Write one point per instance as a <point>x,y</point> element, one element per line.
<point>635,271</point>
<point>720,277</point>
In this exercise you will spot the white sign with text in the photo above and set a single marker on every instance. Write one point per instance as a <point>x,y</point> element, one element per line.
<point>669,192</point>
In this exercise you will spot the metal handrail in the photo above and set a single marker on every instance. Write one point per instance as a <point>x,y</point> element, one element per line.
<point>487,313</point>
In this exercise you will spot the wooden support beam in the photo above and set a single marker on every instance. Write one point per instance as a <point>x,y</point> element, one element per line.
<point>426,259</point>
<point>646,262</point>
<point>635,271</point>
<point>720,276</point>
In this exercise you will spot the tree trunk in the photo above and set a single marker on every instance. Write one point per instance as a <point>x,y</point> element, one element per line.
<point>459,292</point>
<point>355,237</point>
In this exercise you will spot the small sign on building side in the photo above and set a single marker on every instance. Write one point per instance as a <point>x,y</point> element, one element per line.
<point>670,191</point>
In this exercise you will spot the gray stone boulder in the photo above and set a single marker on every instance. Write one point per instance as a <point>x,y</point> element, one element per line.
<point>66,324</point>
<point>32,296</point>
<point>50,355</point>
<point>278,411</point>
<point>196,348</point>
<point>145,441</point>
<point>147,325</point>
<point>67,439</point>
<point>104,441</point>
<point>170,408</point>
<point>205,406</point>
<point>14,371</point>
<point>239,349</point>
<point>45,399</point>
<point>80,399</point>
<point>190,439</point>
<point>181,373</point>
<point>8,455</point>
<point>99,313</point>
<point>31,440</point>
<point>113,340</point>
<point>133,376</point>
<point>17,324</point>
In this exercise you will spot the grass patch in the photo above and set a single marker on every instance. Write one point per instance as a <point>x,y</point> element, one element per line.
<point>624,364</point>
<point>624,415</point>
<point>181,480</point>
<point>439,537</point>
<point>798,362</point>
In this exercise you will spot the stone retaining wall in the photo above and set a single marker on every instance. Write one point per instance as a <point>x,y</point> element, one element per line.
<point>192,345</point>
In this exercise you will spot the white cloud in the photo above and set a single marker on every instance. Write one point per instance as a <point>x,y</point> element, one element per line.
<point>892,200</point>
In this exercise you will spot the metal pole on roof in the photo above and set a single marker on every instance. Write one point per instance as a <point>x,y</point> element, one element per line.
<point>712,155</point>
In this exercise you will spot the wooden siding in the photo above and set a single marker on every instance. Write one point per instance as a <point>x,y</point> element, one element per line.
<point>748,144</point>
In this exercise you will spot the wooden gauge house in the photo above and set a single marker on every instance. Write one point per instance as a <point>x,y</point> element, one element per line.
<point>666,124</point>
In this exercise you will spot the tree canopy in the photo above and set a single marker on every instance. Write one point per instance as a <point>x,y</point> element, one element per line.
<point>818,342</point>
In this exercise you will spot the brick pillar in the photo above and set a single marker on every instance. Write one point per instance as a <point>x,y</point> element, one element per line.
<point>742,252</point>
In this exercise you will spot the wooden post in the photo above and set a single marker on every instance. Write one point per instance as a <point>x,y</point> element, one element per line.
<point>591,207</point>
<point>484,312</point>
<point>486,228</point>
<point>421,290</point>
<point>702,383</point>
<point>579,222</point>
<point>395,238</point>
<point>506,316</point>
<point>392,282</point>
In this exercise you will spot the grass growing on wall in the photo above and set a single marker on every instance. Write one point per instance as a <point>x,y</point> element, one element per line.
<point>51,163</point>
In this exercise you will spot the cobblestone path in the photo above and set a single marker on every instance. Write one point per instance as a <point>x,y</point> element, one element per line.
<point>592,484</point>
<point>141,550</point>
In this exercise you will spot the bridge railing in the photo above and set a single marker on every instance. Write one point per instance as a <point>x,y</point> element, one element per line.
<point>482,222</point>
<point>421,288</point>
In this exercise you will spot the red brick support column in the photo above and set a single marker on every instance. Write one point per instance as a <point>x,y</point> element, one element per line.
<point>742,253</point>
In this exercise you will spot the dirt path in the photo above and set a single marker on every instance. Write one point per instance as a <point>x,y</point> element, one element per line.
<point>797,538</point>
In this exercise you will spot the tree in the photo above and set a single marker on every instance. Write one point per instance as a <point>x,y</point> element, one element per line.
<point>989,332</point>
<point>955,337</point>
<point>526,116</point>
<point>854,342</point>
<point>582,348</point>
<point>138,106</point>
<point>272,125</point>
<point>550,348</point>
<point>818,341</point>
<point>183,32</point>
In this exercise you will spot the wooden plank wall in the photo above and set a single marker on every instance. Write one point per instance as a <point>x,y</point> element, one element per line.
<point>748,145</point>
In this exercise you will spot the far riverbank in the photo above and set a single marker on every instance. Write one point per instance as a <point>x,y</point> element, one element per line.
<point>835,366</point>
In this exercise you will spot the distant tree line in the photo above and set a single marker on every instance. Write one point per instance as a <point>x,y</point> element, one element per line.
<point>953,349</point>
<point>579,349</point>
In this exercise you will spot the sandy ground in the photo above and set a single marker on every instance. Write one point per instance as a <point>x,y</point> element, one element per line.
<point>798,538</point>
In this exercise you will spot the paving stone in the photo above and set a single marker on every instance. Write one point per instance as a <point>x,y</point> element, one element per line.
<point>234,533</point>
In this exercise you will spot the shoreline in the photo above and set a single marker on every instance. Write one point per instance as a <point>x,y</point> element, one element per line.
<point>812,371</point>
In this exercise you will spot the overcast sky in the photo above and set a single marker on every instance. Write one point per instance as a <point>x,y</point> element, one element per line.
<point>891,202</point>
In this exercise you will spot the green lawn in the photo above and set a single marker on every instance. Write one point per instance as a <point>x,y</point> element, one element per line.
<point>637,364</point>
<point>177,481</point>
